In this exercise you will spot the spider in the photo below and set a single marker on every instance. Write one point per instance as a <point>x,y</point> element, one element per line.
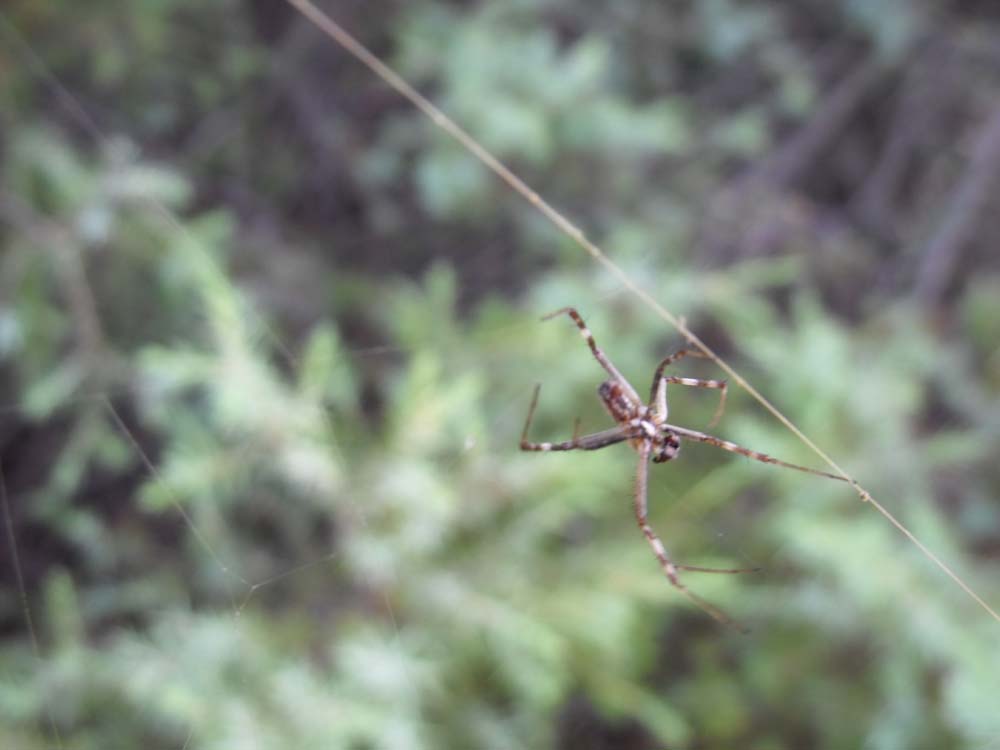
<point>645,427</point>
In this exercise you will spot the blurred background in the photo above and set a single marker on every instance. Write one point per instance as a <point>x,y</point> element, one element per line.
<point>268,337</point>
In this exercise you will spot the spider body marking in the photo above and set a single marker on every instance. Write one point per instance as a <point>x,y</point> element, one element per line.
<point>646,422</point>
<point>644,426</point>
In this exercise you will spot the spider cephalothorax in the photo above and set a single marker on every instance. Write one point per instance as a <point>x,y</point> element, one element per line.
<point>641,419</point>
<point>668,445</point>
<point>644,426</point>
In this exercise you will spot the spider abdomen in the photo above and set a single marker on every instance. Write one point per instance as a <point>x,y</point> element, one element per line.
<point>617,403</point>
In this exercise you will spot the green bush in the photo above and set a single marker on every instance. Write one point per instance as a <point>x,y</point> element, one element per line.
<point>260,438</point>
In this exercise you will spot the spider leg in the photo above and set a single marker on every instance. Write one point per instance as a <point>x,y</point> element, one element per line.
<point>667,361</point>
<point>598,354</point>
<point>669,568</point>
<point>699,569</point>
<point>590,442</point>
<point>658,392</point>
<point>701,437</point>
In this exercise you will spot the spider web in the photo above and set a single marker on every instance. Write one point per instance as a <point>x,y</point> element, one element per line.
<point>329,27</point>
<point>243,588</point>
<point>233,582</point>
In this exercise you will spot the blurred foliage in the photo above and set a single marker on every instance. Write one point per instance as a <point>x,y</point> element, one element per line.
<point>267,339</point>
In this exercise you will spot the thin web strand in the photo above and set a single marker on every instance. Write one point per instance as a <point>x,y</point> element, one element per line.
<point>158,477</point>
<point>79,113</point>
<point>333,30</point>
<point>22,590</point>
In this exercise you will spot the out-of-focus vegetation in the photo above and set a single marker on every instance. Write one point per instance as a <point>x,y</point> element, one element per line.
<point>267,339</point>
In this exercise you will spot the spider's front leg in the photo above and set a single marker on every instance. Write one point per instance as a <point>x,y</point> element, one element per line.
<point>658,390</point>
<point>701,437</point>
<point>598,354</point>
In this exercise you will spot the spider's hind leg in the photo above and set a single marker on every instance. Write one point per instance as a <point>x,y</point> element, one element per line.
<point>670,569</point>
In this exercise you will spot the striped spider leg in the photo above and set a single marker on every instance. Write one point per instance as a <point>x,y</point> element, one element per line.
<point>645,428</point>
<point>660,379</point>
